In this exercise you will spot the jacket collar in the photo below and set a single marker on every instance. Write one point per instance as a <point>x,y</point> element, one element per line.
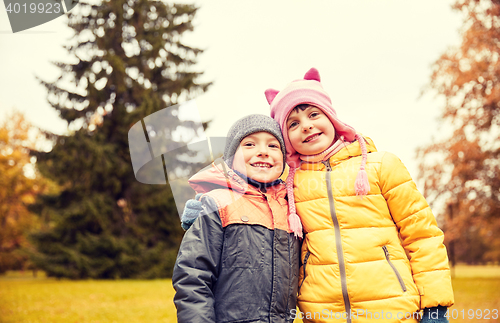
<point>219,176</point>
<point>351,150</point>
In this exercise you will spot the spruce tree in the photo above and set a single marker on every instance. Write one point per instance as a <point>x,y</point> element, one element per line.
<point>129,62</point>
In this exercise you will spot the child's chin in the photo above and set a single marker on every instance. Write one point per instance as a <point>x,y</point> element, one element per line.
<point>264,179</point>
<point>269,180</point>
<point>313,151</point>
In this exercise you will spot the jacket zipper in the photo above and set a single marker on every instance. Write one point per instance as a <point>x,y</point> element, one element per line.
<point>338,242</point>
<point>400,279</point>
<point>304,269</point>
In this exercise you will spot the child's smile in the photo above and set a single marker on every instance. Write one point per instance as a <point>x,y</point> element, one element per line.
<point>312,137</point>
<point>264,165</point>
<point>259,157</point>
<point>310,131</point>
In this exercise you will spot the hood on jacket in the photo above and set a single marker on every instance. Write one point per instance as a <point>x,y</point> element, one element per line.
<point>217,176</point>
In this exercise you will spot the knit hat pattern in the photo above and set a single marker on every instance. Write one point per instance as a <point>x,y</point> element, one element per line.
<point>246,126</point>
<point>305,91</point>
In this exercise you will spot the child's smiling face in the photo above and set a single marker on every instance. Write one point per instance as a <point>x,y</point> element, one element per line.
<point>310,131</point>
<point>259,157</point>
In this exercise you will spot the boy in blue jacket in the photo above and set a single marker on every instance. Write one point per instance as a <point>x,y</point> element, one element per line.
<point>239,260</point>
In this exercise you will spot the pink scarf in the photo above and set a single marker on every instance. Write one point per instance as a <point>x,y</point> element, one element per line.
<point>327,153</point>
<point>361,184</point>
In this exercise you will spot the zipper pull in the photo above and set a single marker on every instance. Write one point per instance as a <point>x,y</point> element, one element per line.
<point>306,257</point>
<point>327,165</point>
<point>386,251</point>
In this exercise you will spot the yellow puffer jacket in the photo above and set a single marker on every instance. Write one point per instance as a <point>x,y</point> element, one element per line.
<point>376,258</point>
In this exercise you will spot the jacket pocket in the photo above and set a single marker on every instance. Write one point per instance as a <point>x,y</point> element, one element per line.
<point>246,246</point>
<point>400,279</point>
<point>306,257</point>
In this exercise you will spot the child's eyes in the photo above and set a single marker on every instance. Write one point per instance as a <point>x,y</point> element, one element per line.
<point>274,146</point>
<point>314,114</point>
<point>248,144</point>
<point>292,124</point>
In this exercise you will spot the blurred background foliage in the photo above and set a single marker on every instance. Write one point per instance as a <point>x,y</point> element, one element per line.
<point>461,170</point>
<point>75,210</point>
<point>129,61</point>
<point>20,184</point>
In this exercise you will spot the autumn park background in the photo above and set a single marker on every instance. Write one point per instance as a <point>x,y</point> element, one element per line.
<point>81,240</point>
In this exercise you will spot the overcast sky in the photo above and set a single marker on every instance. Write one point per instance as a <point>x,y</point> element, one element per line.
<point>374,58</point>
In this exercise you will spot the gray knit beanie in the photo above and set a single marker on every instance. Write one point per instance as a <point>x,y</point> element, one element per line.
<point>246,126</point>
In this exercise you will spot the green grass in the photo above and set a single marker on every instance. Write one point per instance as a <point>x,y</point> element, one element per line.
<point>477,289</point>
<point>26,299</point>
<point>464,271</point>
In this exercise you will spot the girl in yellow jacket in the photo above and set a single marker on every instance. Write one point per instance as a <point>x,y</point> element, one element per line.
<point>372,250</point>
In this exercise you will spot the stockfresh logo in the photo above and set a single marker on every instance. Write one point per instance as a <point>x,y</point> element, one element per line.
<point>170,146</point>
<point>26,14</point>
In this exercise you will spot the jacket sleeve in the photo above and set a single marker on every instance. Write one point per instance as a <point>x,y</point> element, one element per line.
<point>197,267</point>
<point>420,235</point>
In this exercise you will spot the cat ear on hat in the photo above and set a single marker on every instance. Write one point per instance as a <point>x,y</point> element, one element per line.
<point>270,95</point>
<point>312,74</point>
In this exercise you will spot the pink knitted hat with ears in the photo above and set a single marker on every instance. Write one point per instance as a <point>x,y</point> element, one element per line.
<point>310,91</point>
<point>305,91</point>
